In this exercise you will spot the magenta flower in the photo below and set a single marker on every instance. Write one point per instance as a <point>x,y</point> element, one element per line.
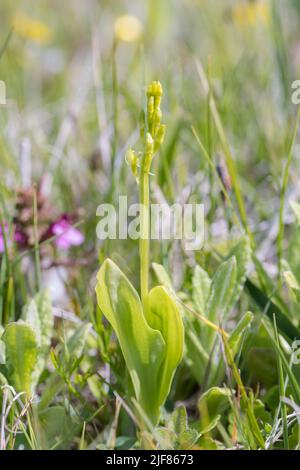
<point>67,235</point>
<point>18,237</point>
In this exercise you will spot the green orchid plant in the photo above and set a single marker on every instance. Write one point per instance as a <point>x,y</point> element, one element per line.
<point>149,327</point>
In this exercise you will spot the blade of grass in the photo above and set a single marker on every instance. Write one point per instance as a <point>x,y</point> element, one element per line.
<point>207,322</point>
<point>226,148</point>
<point>270,309</point>
<point>166,161</point>
<point>8,288</point>
<point>285,364</point>
<point>6,43</point>
<point>281,54</point>
<point>36,242</point>
<point>214,170</point>
<point>282,391</point>
<point>115,94</point>
<point>285,179</point>
<point>81,445</point>
<point>209,144</point>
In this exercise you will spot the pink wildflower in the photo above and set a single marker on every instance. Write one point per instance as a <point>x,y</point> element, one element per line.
<point>67,235</point>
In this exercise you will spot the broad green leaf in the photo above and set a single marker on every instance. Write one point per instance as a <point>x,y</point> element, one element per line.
<point>201,288</point>
<point>30,316</point>
<point>169,440</point>
<point>71,353</point>
<point>75,344</point>
<point>57,428</point>
<point>207,443</point>
<point>221,291</point>
<point>164,316</point>
<point>38,314</point>
<point>144,348</point>
<point>206,426</point>
<point>260,412</point>
<point>213,403</point>
<point>234,342</point>
<point>166,438</point>
<point>21,355</point>
<point>187,439</point>
<point>178,435</point>
<point>242,254</point>
<point>215,299</point>
<point>44,307</point>
<point>162,275</point>
<point>235,338</point>
<point>196,356</point>
<point>164,279</point>
<point>125,442</point>
<point>261,363</point>
<point>179,420</point>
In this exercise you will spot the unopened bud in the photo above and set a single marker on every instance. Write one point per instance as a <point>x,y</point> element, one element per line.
<point>157,115</point>
<point>160,137</point>
<point>150,107</point>
<point>149,144</point>
<point>132,160</point>
<point>155,89</point>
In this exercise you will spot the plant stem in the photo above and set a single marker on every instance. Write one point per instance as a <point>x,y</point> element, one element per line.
<point>36,243</point>
<point>285,180</point>
<point>144,239</point>
<point>282,390</point>
<point>152,132</point>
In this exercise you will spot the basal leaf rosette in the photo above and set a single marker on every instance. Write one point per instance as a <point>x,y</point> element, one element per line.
<point>151,342</point>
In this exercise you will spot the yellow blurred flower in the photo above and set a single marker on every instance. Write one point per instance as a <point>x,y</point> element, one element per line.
<point>128,28</point>
<point>31,29</point>
<point>251,13</point>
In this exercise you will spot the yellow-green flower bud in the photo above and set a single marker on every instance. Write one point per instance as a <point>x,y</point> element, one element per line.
<point>150,108</point>
<point>132,160</point>
<point>155,89</point>
<point>160,137</point>
<point>157,115</point>
<point>149,144</point>
<point>148,153</point>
